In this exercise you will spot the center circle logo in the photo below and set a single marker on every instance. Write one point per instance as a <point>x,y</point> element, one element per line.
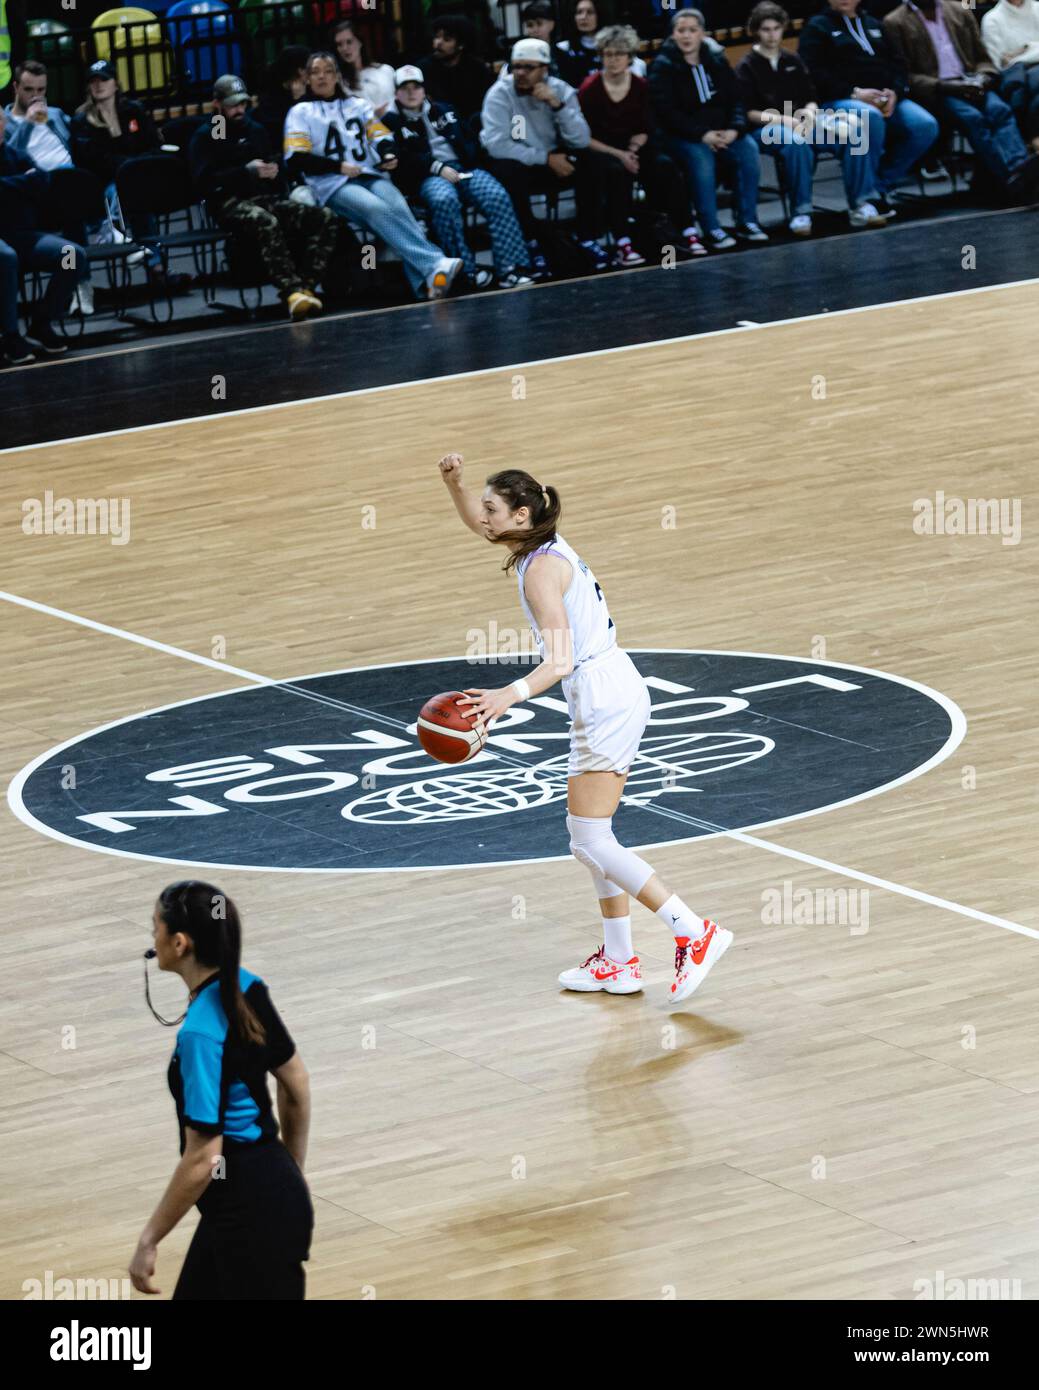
<point>325,774</point>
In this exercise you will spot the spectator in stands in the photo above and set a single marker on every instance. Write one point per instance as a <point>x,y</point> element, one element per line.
<point>437,163</point>
<point>25,245</point>
<point>109,128</point>
<point>778,95</point>
<point>950,74</point>
<point>577,53</point>
<point>346,155</point>
<point>282,85</point>
<point>532,129</point>
<point>374,82</point>
<point>696,103</point>
<point>453,74</point>
<point>38,131</point>
<point>241,179</point>
<point>1010,33</point>
<point>615,103</point>
<point>539,21</point>
<point>856,67</point>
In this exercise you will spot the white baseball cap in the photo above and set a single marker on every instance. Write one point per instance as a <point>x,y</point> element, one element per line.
<point>409,73</point>
<point>531,51</point>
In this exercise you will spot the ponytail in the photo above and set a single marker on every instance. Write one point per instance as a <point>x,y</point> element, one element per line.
<point>211,919</point>
<point>518,489</point>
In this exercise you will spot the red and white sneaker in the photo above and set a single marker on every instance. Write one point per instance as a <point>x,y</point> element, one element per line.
<point>600,972</point>
<point>693,959</point>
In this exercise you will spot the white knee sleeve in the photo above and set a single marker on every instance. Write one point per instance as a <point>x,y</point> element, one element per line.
<point>614,868</point>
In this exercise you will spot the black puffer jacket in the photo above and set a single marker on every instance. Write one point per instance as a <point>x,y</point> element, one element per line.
<point>689,100</point>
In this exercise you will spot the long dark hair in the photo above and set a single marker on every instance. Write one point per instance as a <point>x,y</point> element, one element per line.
<point>518,489</point>
<point>328,58</point>
<point>211,919</point>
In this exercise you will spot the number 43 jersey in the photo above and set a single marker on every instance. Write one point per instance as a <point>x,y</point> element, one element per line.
<point>345,130</point>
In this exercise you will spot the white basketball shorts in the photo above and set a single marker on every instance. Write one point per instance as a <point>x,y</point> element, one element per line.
<point>609,706</point>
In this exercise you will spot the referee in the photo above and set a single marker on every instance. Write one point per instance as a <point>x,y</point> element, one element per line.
<point>247,1183</point>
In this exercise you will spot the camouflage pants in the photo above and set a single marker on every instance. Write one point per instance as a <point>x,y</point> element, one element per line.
<point>293,240</point>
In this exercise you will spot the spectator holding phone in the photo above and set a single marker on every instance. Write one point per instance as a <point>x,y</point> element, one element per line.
<point>438,164</point>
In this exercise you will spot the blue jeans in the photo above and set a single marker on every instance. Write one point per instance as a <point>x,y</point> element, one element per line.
<point>39,251</point>
<point>381,206</point>
<point>701,164</point>
<point>991,131</point>
<point>894,144</point>
<point>798,159</point>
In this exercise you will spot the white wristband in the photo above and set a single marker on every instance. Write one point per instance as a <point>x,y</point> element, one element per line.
<point>522,689</point>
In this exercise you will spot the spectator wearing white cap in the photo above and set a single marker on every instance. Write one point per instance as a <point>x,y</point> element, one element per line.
<point>533,129</point>
<point>437,159</point>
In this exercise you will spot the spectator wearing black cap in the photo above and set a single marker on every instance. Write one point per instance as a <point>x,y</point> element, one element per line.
<point>240,177</point>
<point>453,74</point>
<point>107,130</point>
<point>437,163</point>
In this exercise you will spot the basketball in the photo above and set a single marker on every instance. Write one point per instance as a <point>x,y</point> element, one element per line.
<point>446,732</point>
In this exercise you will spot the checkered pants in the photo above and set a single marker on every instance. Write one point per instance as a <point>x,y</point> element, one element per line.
<point>445,202</point>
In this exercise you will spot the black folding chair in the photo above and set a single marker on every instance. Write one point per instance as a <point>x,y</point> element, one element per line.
<point>159,186</point>
<point>78,196</point>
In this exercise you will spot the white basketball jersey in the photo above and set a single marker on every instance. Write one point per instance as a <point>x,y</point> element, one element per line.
<point>591,626</point>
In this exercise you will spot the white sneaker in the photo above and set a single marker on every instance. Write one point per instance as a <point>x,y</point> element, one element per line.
<point>719,240</point>
<point>801,225</point>
<point>442,277</point>
<point>599,972</point>
<point>83,300</point>
<point>695,958</point>
<point>112,236</point>
<point>866,215</point>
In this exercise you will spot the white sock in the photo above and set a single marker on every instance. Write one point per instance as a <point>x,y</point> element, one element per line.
<point>617,934</point>
<point>679,919</point>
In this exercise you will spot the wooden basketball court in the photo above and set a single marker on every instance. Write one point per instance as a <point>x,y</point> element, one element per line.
<point>836,1115</point>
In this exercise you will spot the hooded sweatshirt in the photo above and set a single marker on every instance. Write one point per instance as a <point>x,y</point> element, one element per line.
<point>541,129</point>
<point>689,99</point>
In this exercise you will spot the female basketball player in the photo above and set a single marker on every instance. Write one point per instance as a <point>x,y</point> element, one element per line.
<point>609,707</point>
<point>256,1214</point>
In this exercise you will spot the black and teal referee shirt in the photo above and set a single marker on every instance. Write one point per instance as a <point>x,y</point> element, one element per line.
<point>218,1083</point>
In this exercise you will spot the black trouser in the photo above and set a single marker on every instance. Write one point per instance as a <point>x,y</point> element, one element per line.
<point>605,191</point>
<point>1019,88</point>
<point>255,1229</point>
<point>521,181</point>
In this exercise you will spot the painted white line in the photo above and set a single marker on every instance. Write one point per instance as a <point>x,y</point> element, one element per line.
<point>514,366</point>
<point>417,989</point>
<point>884,883</point>
<point>958,730</point>
<point>135,637</point>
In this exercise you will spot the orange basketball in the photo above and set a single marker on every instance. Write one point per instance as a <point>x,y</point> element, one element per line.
<point>446,732</point>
